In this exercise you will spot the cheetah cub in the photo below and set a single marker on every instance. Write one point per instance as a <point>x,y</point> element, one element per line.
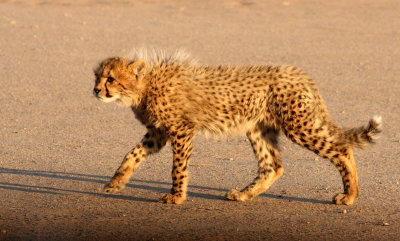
<point>176,98</point>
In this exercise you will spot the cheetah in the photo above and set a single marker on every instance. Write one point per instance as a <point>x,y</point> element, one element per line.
<point>176,98</point>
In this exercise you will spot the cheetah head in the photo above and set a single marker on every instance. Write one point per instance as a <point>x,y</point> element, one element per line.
<point>120,80</point>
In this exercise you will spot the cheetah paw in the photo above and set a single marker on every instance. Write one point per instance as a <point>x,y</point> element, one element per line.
<point>171,198</point>
<point>235,195</point>
<point>113,187</point>
<point>343,199</point>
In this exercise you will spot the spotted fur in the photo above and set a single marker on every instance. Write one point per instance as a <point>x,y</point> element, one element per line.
<point>175,99</point>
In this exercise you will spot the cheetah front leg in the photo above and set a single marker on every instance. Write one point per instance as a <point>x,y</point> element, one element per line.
<point>152,142</point>
<point>182,145</point>
<point>269,164</point>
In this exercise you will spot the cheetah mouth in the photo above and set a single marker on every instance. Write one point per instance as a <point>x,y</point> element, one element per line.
<point>107,99</point>
<point>102,97</point>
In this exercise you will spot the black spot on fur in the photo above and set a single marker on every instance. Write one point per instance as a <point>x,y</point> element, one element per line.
<point>150,144</point>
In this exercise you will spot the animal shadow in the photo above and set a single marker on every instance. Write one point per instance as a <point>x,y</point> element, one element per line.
<point>157,186</point>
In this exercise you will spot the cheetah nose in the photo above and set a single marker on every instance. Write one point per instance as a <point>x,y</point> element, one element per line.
<point>96,91</point>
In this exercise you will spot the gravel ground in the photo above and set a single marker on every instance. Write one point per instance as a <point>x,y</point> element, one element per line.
<point>59,145</point>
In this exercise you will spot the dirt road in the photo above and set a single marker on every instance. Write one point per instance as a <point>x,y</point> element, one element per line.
<point>59,145</point>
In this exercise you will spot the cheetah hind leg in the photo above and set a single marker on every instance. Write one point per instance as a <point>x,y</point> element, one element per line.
<point>269,164</point>
<point>346,166</point>
<point>339,154</point>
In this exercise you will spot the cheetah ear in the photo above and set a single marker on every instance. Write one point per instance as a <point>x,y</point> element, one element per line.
<point>138,68</point>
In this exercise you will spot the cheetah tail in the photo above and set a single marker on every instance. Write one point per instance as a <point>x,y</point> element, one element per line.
<point>361,136</point>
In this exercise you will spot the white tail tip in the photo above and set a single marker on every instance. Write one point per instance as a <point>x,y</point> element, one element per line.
<point>377,119</point>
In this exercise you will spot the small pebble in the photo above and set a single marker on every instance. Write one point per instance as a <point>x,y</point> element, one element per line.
<point>385,224</point>
<point>345,211</point>
<point>3,231</point>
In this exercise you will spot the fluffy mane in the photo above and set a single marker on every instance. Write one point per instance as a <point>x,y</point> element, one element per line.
<point>158,56</point>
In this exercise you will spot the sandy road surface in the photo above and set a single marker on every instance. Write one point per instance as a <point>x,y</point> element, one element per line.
<point>59,145</point>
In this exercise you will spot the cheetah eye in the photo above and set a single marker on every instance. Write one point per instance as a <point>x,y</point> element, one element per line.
<point>110,80</point>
